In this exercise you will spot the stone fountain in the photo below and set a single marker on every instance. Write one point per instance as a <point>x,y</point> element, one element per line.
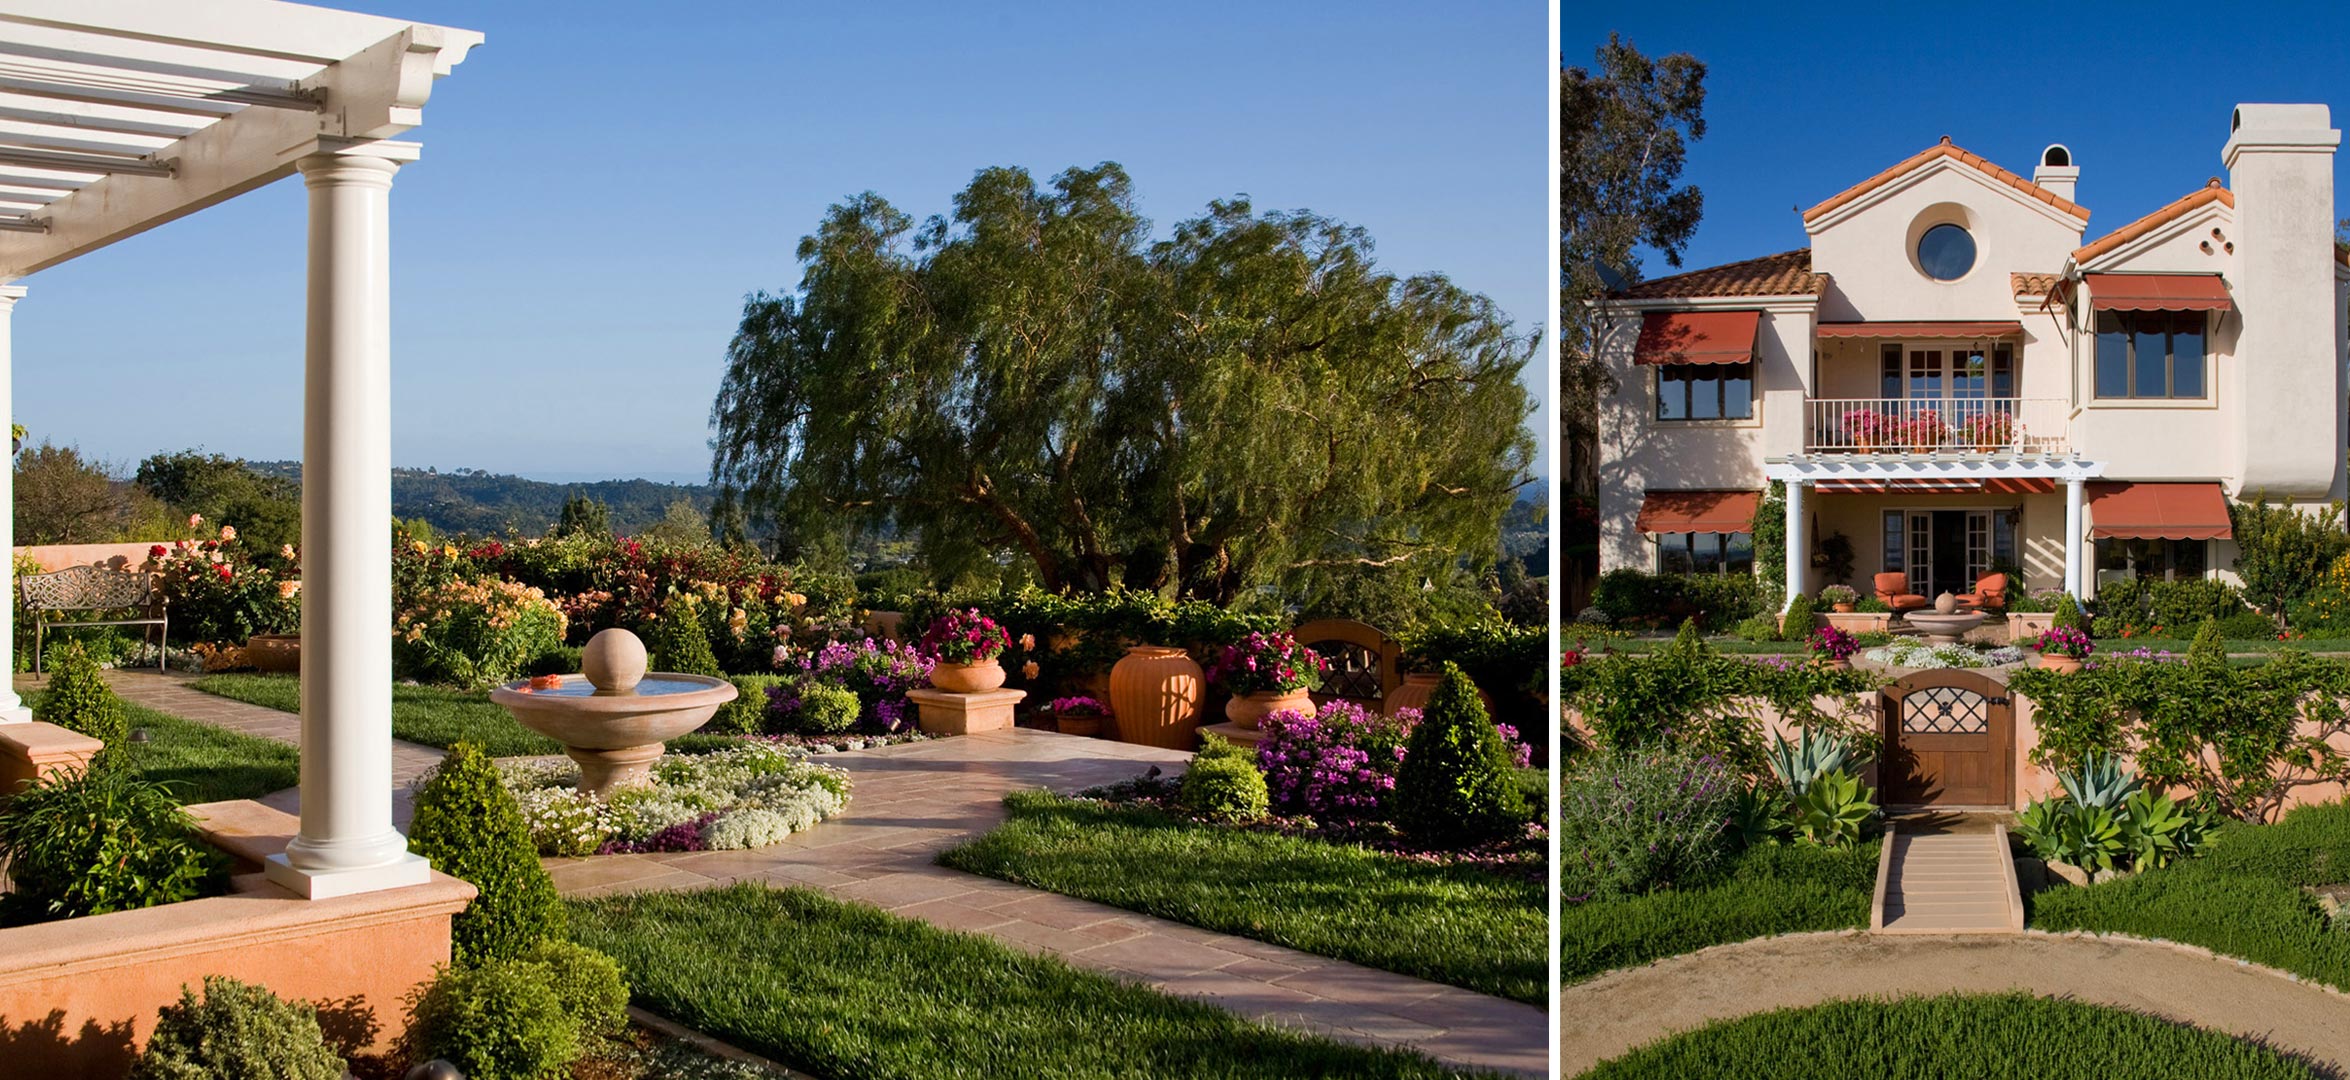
<point>1946,624</point>
<point>614,717</point>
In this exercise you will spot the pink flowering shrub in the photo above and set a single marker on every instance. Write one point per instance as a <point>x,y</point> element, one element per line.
<point>1337,765</point>
<point>879,673</point>
<point>1267,663</point>
<point>965,637</point>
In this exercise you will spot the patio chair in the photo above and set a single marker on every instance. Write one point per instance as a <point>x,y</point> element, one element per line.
<point>1893,589</point>
<point>1990,593</point>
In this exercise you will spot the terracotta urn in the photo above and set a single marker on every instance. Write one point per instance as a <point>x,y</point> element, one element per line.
<point>2056,662</point>
<point>1836,663</point>
<point>967,678</point>
<point>274,653</point>
<point>1843,609</point>
<point>1070,724</point>
<point>1155,694</point>
<point>1250,710</point>
<point>1417,688</point>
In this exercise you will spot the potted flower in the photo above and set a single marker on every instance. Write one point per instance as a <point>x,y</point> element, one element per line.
<point>966,645</point>
<point>2062,648</point>
<point>1865,427</point>
<point>1266,674</point>
<point>1840,598</point>
<point>1834,648</point>
<point>1925,431</point>
<point>1990,431</point>
<point>1078,715</point>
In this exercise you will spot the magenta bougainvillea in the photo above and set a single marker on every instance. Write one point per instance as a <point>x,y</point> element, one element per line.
<point>1336,765</point>
<point>965,637</point>
<point>1267,663</point>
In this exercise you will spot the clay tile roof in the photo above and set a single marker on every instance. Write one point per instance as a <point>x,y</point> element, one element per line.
<point>2211,191</point>
<point>1788,273</point>
<point>2032,284</point>
<point>1936,152</point>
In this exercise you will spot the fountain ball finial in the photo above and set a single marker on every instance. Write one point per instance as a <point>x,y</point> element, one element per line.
<point>614,661</point>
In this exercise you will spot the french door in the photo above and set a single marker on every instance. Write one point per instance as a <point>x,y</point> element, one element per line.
<point>1948,550</point>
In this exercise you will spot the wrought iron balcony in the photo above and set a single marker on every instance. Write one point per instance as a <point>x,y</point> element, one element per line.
<point>2000,427</point>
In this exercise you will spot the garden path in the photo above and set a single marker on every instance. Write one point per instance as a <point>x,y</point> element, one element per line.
<point>915,800</point>
<point>1948,876</point>
<point>1625,1009</point>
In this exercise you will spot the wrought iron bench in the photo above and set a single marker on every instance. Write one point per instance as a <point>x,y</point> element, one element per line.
<point>97,589</point>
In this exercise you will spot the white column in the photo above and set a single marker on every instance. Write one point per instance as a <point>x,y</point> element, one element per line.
<point>2072,536</point>
<point>1798,544</point>
<point>12,708</point>
<point>347,843</point>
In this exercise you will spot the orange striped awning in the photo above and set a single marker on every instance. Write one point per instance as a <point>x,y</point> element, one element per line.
<point>2191,511</point>
<point>2158,292</point>
<point>1696,337</point>
<point>1958,330</point>
<point>1699,511</point>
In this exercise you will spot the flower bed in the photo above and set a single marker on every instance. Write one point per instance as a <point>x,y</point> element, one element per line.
<point>751,796</point>
<point>1911,653</point>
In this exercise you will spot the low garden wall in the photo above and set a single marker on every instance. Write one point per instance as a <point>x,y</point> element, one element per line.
<point>54,557</point>
<point>78,997</point>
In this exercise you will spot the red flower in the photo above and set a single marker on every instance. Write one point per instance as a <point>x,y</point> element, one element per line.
<point>225,572</point>
<point>158,551</point>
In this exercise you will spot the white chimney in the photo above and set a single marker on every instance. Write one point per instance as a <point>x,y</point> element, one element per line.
<point>2057,172</point>
<point>2288,370</point>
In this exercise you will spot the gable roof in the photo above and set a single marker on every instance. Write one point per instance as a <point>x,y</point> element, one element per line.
<point>1787,273</point>
<point>2210,192</point>
<point>1936,153</point>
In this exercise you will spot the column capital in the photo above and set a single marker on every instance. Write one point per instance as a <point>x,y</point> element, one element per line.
<point>9,295</point>
<point>344,161</point>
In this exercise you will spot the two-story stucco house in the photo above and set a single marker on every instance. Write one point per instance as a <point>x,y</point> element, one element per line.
<point>1956,377</point>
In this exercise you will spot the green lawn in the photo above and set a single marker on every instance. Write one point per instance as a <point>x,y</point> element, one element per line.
<point>208,764</point>
<point>432,715</point>
<point>2239,646</point>
<point>1457,925</point>
<point>1774,889</point>
<point>844,990</point>
<point>2245,896</point>
<point>1977,1036</point>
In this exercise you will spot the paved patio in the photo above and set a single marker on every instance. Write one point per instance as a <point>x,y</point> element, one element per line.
<point>915,800</point>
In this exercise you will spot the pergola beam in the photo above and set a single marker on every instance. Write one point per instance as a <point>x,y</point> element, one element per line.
<point>74,161</point>
<point>251,27</point>
<point>22,225</point>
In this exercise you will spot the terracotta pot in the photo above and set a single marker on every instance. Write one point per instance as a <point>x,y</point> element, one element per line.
<point>1837,663</point>
<point>1077,725</point>
<point>275,653</point>
<point>1843,609</point>
<point>2056,663</point>
<point>1417,687</point>
<point>1249,710</point>
<point>1155,696</point>
<point>967,678</point>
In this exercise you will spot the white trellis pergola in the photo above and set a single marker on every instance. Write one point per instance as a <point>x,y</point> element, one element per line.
<point>117,116</point>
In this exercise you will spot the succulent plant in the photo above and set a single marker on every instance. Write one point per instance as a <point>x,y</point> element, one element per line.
<point>1798,764</point>
<point>2100,782</point>
<point>1832,810</point>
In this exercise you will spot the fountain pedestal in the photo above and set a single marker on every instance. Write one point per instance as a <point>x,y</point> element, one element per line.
<point>947,713</point>
<point>602,772</point>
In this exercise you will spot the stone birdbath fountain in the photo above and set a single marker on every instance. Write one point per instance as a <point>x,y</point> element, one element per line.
<point>614,717</point>
<point>1944,625</point>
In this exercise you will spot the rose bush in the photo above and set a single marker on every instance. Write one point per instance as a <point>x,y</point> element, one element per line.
<point>473,631</point>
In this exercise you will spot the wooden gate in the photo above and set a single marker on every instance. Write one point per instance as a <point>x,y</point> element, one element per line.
<point>1364,663</point>
<point>1949,741</point>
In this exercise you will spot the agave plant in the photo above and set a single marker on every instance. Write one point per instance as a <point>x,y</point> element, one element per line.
<point>1832,809</point>
<point>2090,838</point>
<point>1758,817</point>
<point>2156,831</point>
<point>2100,782</point>
<point>2041,826</point>
<point>1820,752</point>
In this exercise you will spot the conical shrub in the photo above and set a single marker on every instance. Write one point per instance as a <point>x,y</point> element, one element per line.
<point>79,700</point>
<point>677,642</point>
<point>470,828</point>
<point>1454,788</point>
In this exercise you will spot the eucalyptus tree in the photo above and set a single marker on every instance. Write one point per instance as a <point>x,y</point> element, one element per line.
<point>1249,402</point>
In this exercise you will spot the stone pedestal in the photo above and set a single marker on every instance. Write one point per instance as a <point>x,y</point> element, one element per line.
<point>605,772</point>
<point>945,713</point>
<point>1234,734</point>
<point>32,750</point>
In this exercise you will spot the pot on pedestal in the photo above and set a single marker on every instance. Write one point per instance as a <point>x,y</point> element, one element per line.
<point>1250,710</point>
<point>967,678</point>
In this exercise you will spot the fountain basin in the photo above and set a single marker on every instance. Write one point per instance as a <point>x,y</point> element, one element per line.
<point>1944,629</point>
<point>615,736</point>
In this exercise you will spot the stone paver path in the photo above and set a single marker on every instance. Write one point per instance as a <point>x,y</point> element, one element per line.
<point>1621,1010</point>
<point>916,800</point>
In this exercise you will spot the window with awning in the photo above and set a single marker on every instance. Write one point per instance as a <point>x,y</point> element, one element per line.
<point>2158,511</point>
<point>1696,337</point>
<point>1699,511</point>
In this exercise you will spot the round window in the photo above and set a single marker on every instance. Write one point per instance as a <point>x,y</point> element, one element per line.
<point>1946,252</point>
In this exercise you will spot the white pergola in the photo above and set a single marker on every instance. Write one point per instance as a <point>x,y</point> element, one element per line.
<point>117,116</point>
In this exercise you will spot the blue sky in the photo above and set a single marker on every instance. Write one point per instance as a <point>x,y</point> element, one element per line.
<point>602,183</point>
<point>1805,100</point>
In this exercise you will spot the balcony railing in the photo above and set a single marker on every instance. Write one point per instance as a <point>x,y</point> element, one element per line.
<point>2011,427</point>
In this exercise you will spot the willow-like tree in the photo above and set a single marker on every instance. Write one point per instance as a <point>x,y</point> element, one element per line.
<point>1246,402</point>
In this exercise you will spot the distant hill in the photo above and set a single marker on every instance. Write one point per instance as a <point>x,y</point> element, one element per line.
<point>481,503</point>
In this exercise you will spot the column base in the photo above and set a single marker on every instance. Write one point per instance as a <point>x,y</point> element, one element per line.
<point>409,869</point>
<point>18,714</point>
